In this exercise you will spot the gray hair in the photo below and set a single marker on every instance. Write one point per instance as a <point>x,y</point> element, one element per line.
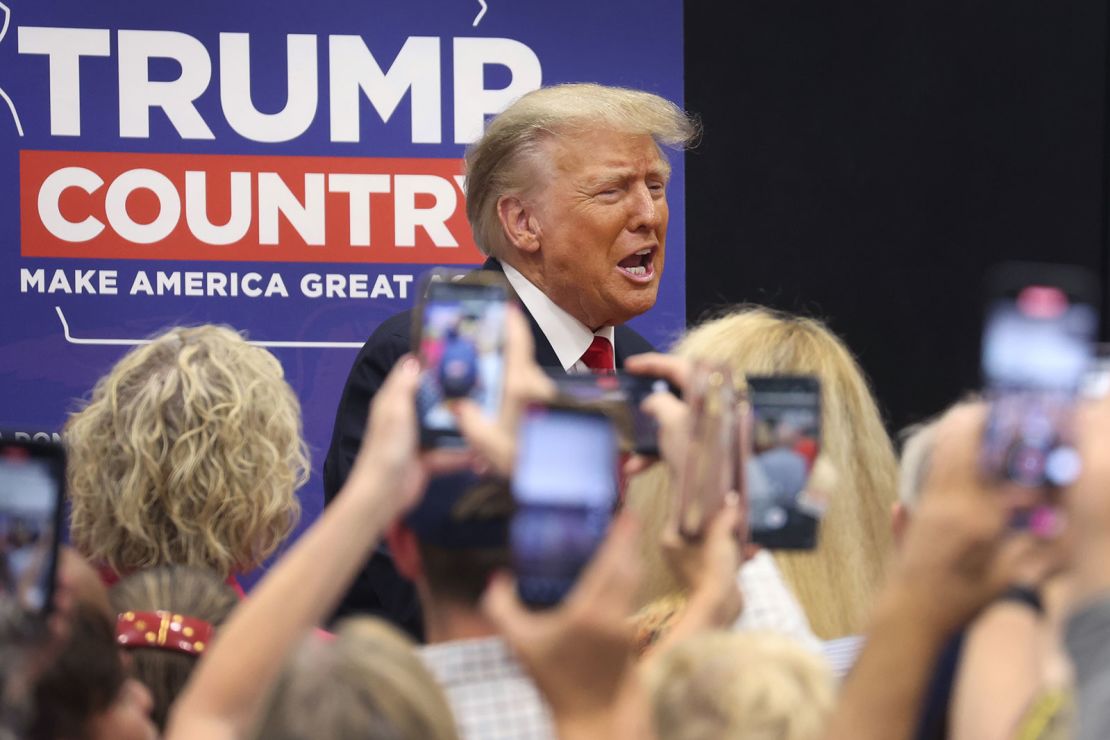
<point>918,442</point>
<point>496,162</point>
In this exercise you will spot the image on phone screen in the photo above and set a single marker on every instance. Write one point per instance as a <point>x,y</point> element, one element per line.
<point>31,494</point>
<point>461,349</point>
<point>785,440</point>
<point>1037,348</point>
<point>565,484</point>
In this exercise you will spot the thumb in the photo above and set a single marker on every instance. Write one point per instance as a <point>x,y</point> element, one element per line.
<point>501,603</point>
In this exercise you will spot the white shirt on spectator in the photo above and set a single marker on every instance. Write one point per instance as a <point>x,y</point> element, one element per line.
<point>490,694</point>
<point>769,606</point>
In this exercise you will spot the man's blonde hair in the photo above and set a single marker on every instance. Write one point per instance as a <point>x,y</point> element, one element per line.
<point>836,582</point>
<point>743,685</point>
<point>188,453</point>
<point>503,161</point>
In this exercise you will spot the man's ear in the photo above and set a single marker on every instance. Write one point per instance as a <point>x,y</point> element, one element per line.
<point>518,222</point>
<point>405,551</point>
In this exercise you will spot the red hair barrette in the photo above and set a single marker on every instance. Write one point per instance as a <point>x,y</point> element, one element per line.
<point>164,630</point>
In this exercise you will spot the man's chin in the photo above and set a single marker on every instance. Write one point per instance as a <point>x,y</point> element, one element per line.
<point>634,303</point>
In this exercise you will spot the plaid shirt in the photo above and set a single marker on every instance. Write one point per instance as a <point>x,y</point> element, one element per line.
<point>489,692</point>
<point>769,605</point>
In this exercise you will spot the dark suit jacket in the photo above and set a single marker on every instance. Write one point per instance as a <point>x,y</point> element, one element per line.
<point>378,588</point>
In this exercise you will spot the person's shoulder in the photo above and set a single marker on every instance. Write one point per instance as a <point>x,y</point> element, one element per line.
<point>397,325</point>
<point>392,337</point>
<point>629,342</point>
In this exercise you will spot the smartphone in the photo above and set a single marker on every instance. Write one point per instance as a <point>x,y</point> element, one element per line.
<point>459,337</point>
<point>710,469</point>
<point>783,445</point>
<point>32,491</point>
<point>565,485</point>
<point>619,395</point>
<point>1039,337</point>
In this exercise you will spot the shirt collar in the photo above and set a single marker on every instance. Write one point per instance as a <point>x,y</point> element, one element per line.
<point>569,337</point>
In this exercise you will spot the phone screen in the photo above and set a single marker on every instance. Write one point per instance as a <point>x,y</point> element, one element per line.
<point>461,348</point>
<point>1038,345</point>
<point>565,484</point>
<point>619,396</point>
<point>32,478</point>
<point>785,440</point>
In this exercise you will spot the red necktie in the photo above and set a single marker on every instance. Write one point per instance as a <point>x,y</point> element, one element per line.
<point>599,357</point>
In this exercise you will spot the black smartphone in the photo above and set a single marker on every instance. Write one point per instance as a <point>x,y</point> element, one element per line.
<point>565,485</point>
<point>32,492</point>
<point>619,395</point>
<point>1039,337</point>
<point>783,444</point>
<point>459,337</point>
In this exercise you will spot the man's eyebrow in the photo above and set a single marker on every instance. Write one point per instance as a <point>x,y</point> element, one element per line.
<point>621,174</point>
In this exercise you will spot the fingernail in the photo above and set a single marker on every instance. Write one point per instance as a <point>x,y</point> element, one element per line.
<point>410,365</point>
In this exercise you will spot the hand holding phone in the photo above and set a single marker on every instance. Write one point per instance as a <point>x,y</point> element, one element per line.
<point>565,484</point>
<point>459,338</point>
<point>32,489</point>
<point>1038,344</point>
<point>620,396</point>
<point>710,469</point>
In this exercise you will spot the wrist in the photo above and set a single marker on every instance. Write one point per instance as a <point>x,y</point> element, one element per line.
<point>1028,597</point>
<point>720,604</point>
<point>908,609</point>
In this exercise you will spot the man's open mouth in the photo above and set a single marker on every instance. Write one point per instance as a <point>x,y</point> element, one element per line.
<point>639,266</point>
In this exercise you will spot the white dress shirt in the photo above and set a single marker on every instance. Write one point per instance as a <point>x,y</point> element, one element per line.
<point>569,337</point>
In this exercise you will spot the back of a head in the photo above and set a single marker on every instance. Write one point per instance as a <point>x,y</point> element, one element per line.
<point>913,465</point>
<point>82,681</point>
<point>177,590</point>
<point>462,529</point>
<point>503,160</point>
<point>836,582</point>
<point>367,683</point>
<point>743,685</point>
<point>188,452</point>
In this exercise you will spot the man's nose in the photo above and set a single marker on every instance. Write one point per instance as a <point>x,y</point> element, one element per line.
<point>645,209</point>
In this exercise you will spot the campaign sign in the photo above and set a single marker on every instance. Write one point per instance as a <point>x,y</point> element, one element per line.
<point>287,168</point>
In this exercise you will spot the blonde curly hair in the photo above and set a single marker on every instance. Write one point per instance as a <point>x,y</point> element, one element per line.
<point>188,453</point>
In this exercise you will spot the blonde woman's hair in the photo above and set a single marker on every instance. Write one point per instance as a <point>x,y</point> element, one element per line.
<point>188,453</point>
<point>503,161</point>
<point>366,683</point>
<point>743,685</point>
<point>836,582</point>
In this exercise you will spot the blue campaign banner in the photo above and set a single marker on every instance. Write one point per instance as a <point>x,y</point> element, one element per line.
<point>287,168</point>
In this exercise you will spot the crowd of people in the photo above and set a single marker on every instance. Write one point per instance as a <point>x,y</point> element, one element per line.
<point>920,613</point>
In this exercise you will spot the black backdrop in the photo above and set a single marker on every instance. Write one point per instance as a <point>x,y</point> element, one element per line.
<point>865,162</point>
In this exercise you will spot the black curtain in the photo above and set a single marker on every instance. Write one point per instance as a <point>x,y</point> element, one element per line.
<point>866,162</point>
